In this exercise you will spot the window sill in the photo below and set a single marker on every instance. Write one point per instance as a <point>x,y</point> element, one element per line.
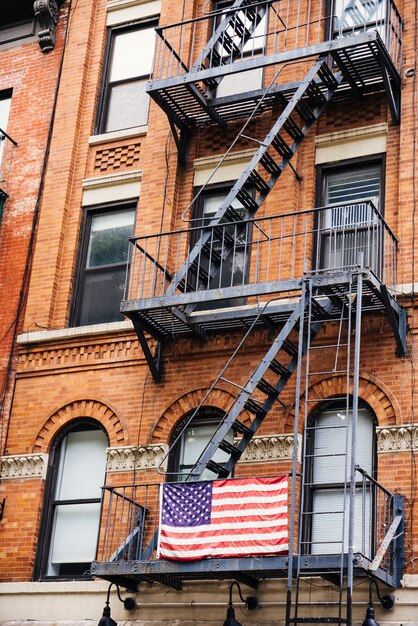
<point>116,135</point>
<point>75,332</point>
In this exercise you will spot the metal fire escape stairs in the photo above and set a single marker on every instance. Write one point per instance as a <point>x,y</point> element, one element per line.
<point>231,36</point>
<point>300,112</point>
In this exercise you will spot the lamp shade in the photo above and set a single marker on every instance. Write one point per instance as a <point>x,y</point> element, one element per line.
<point>230,618</point>
<point>369,620</point>
<point>106,620</point>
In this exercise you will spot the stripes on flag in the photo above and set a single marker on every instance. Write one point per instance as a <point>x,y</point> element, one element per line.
<point>223,518</point>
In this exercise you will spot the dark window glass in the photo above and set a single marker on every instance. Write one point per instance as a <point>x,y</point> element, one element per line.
<point>102,278</point>
<point>72,510</point>
<point>125,103</point>
<point>233,245</point>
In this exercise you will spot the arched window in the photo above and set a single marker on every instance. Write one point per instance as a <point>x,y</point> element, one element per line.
<point>71,513</point>
<point>192,440</point>
<point>328,458</point>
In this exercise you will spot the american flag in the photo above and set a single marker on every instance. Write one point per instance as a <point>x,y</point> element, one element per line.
<point>223,518</point>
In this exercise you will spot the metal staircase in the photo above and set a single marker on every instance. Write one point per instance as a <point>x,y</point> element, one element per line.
<point>262,389</point>
<point>300,112</point>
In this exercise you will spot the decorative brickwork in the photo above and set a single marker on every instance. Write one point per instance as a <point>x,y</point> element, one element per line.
<point>117,157</point>
<point>377,395</point>
<point>25,466</point>
<point>219,398</point>
<point>80,408</point>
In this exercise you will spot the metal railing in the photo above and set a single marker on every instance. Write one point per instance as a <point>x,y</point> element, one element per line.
<point>182,47</point>
<point>250,257</point>
<point>130,519</point>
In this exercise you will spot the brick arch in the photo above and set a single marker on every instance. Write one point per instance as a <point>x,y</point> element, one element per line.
<point>373,391</point>
<point>162,429</point>
<point>95,409</point>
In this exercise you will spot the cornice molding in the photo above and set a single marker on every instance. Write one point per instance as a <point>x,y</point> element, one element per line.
<point>23,466</point>
<point>265,449</point>
<point>46,14</point>
<point>262,449</point>
<point>128,458</point>
<point>391,439</point>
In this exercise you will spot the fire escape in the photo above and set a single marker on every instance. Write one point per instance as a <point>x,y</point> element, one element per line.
<point>296,271</point>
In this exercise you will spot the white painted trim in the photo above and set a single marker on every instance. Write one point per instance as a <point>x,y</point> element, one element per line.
<point>118,135</point>
<point>112,187</point>
<point>350,144</point>
<point>230,169</point>
<point>44,336</point>
<point>123,11</point>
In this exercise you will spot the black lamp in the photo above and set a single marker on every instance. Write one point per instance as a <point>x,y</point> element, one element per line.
<point>129,604</point>
<point>387,602</point>
<point>251,603</point>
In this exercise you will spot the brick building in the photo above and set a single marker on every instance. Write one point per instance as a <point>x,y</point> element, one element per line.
<point>266,179</point>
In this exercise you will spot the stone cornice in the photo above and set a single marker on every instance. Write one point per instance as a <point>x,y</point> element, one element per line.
<point>263,449</point>
<point>23,466</point>
<point>392,439</point>
<point>268,448</point>
<point>128,458</point>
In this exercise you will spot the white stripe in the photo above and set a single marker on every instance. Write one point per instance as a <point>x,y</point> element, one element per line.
<point>249,512</point>
<point>250,550</point>
<point>250,499</point>
<point>230,488</point>
<point>224,526</point>
<point>270,537</point>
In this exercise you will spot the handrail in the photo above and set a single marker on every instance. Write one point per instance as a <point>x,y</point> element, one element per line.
<point>255,220</point>
<point>3,132</point>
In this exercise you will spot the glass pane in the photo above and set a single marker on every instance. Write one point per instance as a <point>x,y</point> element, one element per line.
<point>241,82</point>
<point>353,185</point>
<point>194,440</point>
<point>82,465</point>
<point>331,439</point>
<point>327,522</point>
<point>74,534</point>
<point>354,15</point>
<point>128,106</point>
<point>101,296</point>
<point>4,112</point>
<point>109,234</point>
<point>132,54</point>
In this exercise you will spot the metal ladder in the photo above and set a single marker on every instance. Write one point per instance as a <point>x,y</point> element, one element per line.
<point>262,389</point>
<point>300,112</point>
<point>340,358</point>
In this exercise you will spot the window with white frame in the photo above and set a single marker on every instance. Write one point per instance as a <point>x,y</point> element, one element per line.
<point>190,441</point>
<point>124,102</point>
<point>353,191</point>
<point>249,80</point>
<point>103,264</point>
<point>327,498</point>
<point>5,103</point>
<point>71,516</point>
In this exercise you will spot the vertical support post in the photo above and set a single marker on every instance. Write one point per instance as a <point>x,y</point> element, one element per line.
<point>292,524</point>
<point>356,374</point>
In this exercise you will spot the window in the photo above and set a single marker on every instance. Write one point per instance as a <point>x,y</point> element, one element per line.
<point>250,80</point>
<point>232,245</point>
<point>103,265</point>
<point>5,102</point>
<point>355,16</point>
<point>71,515</point>
<point>329,441</point>
<point>125,103</point>
<point>354,191</point>
<point>17,21</point>
<point>192,441</point>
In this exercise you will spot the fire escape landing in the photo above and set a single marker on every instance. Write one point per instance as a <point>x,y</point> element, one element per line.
<point>290,272</point>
